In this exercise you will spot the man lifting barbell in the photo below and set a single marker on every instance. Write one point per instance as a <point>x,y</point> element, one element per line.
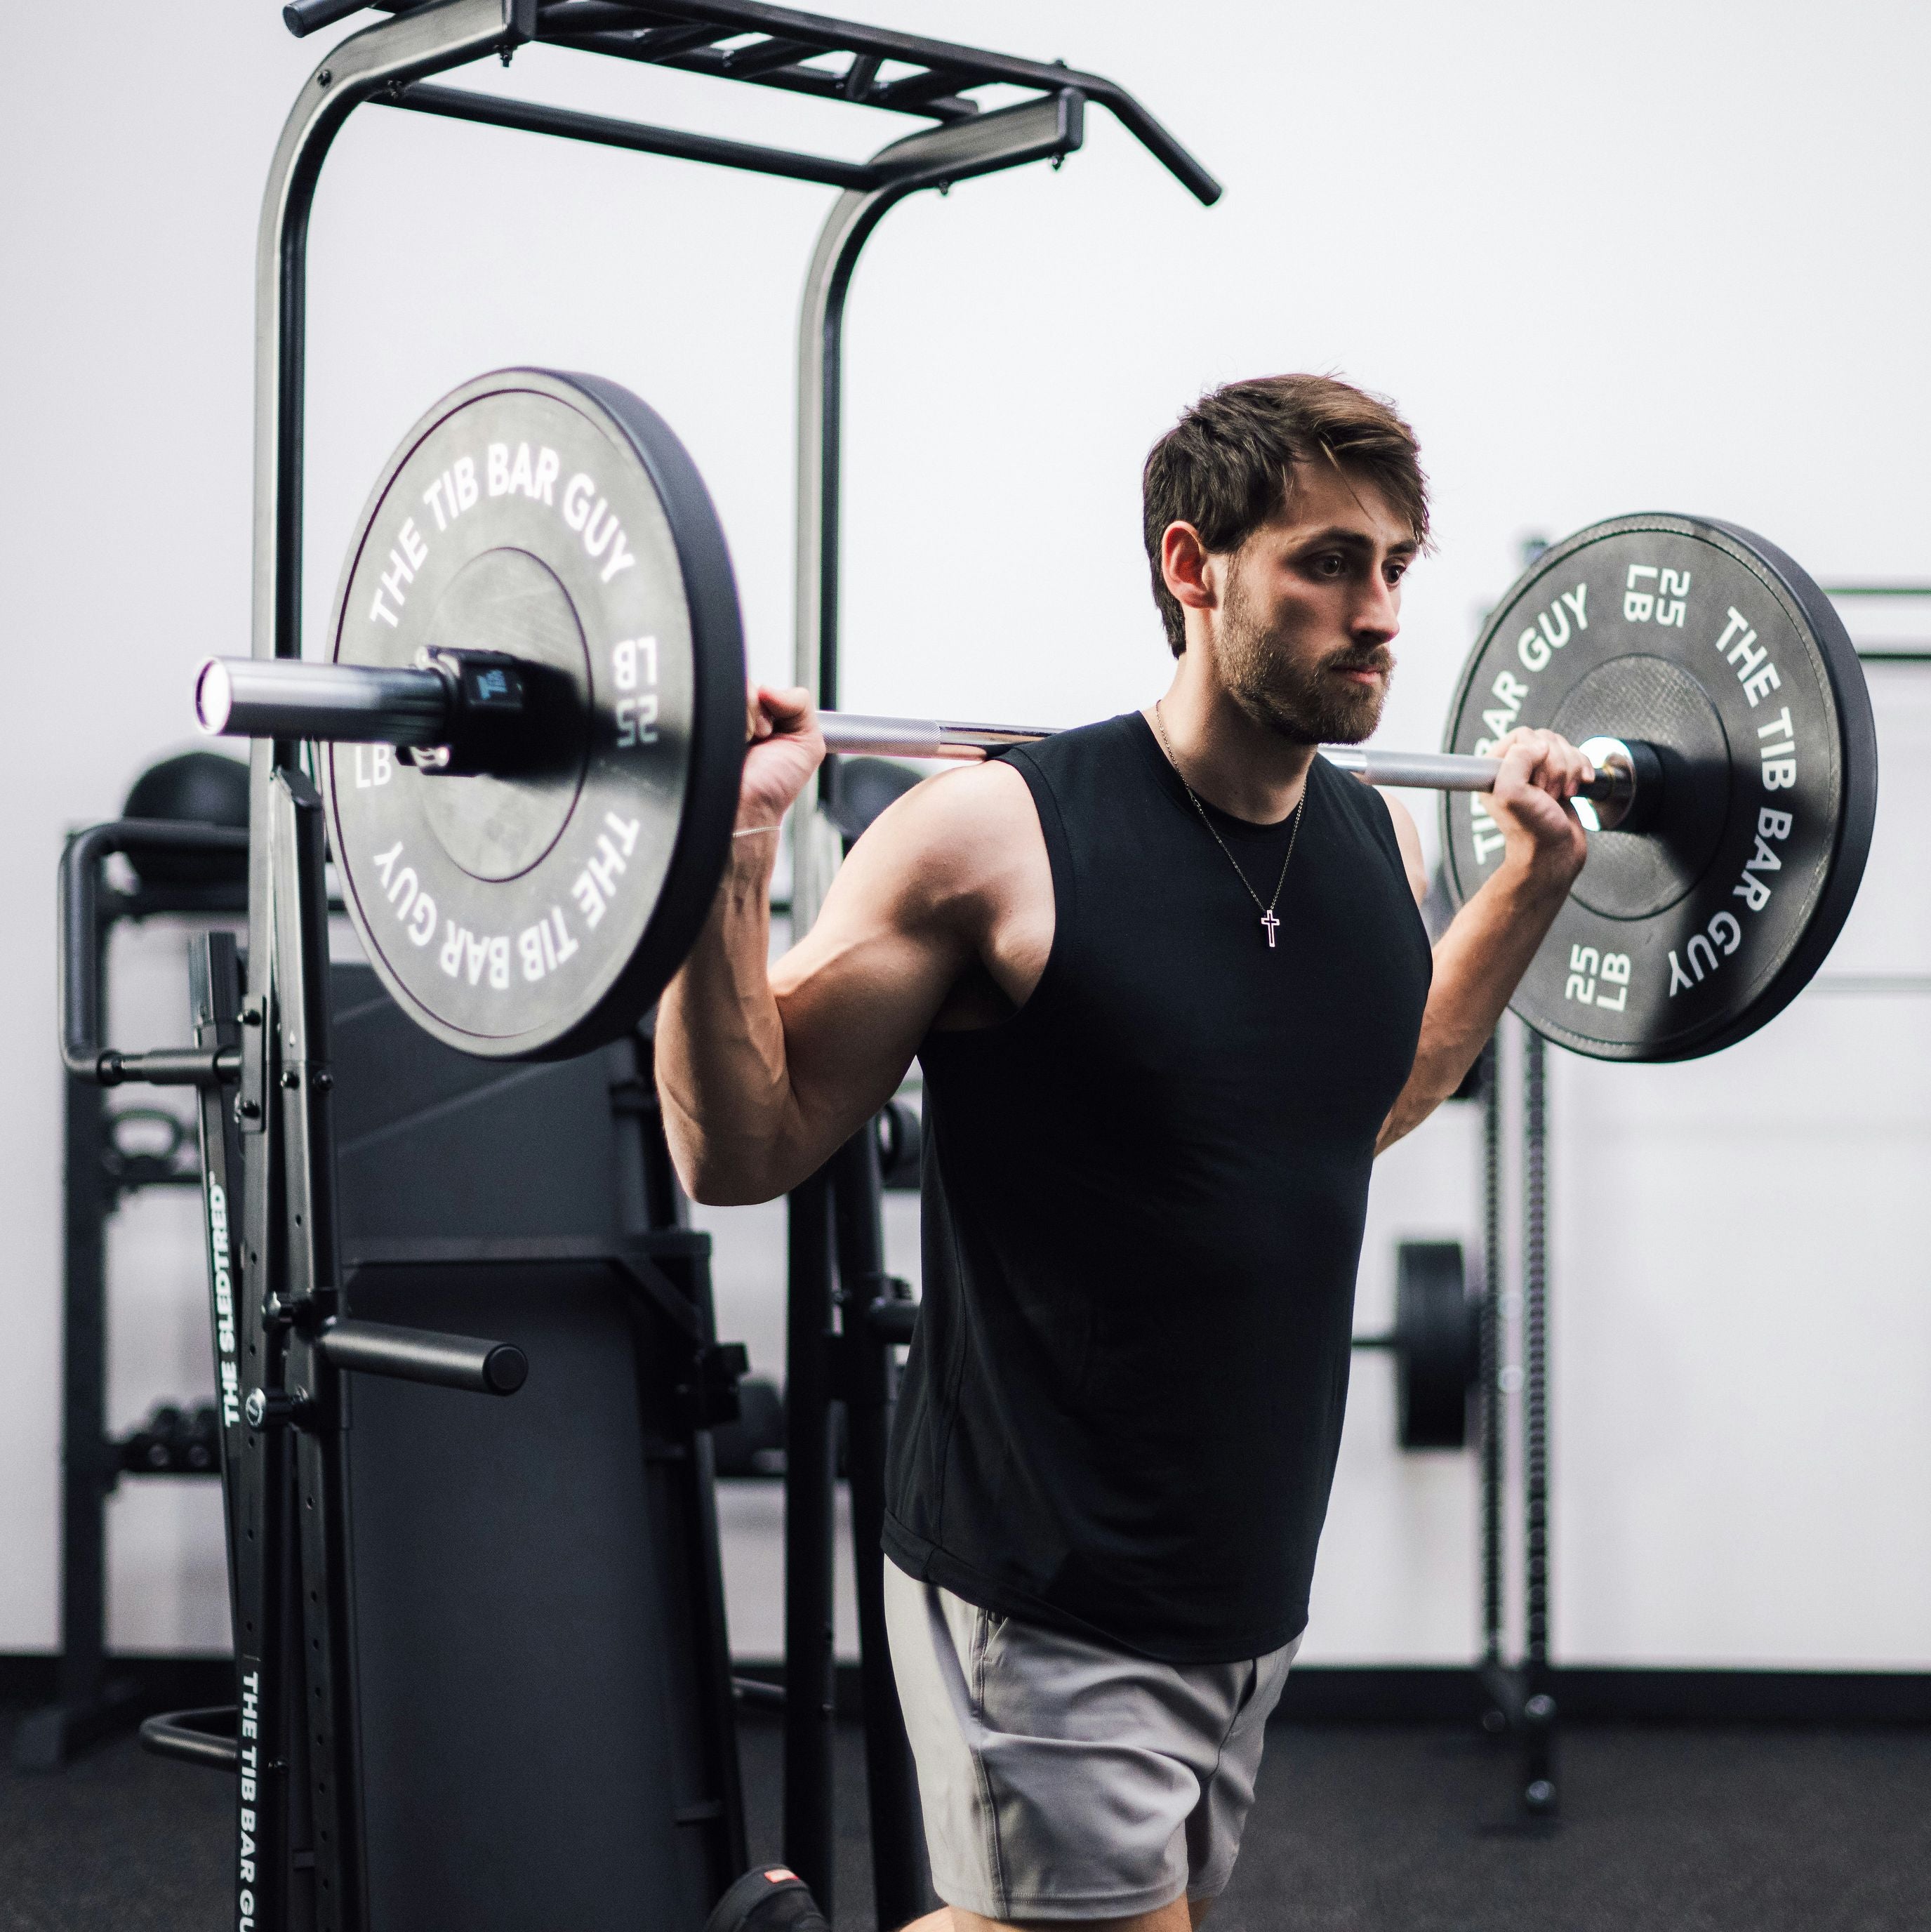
<point>1150,1113</point>
<point>1171,993</point>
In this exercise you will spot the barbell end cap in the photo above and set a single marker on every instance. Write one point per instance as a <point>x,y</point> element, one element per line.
<point>506,1369</point>
<point>214,697</point>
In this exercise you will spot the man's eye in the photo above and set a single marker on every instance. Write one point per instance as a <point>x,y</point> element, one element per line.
<point>1330,564</point>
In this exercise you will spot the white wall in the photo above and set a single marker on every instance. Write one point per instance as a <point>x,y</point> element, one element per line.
<point>1656,256</point>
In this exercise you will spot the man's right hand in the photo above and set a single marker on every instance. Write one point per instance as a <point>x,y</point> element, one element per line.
<point>783,748</point>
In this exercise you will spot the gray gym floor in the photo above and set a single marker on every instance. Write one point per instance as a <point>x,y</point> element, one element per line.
<point>1380,1828</point>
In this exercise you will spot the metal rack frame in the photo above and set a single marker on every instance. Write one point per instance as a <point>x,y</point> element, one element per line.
<point>1518,1697</point>
<point>287,1250</point>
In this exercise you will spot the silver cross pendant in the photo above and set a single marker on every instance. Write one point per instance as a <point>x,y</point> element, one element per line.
<point>1273,925</point>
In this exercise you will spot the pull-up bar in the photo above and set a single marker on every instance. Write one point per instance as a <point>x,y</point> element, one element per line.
<point>768,46</point>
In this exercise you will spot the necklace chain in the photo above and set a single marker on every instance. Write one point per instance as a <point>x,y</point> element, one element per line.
<point>1267,919</point>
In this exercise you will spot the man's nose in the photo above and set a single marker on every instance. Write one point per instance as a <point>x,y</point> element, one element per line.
<point>1376,614</point>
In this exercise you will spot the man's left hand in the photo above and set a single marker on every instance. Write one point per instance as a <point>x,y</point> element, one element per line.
<point>1482,957</point>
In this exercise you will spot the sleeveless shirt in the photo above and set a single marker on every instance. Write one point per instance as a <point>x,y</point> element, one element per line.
<point>1144,1197</point>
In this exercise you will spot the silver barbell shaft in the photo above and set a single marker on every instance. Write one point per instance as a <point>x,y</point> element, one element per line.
<point>285,697</point>
<point>854,732</point>
<point>850,731</point>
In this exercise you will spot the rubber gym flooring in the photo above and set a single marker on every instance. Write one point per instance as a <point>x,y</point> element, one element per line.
<point>1380,1828</point>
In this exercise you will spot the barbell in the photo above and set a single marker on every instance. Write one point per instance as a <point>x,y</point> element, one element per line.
<point>463,712</point>
<point>532,730</point>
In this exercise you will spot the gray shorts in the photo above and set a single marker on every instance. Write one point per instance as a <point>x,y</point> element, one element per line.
<point>1062,1778</point>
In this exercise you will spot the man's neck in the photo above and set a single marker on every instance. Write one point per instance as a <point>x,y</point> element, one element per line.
<point>1248,770</point>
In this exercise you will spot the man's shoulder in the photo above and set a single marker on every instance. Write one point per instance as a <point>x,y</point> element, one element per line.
<point>949,832</point>
<point>976,833</point>
<point>961,854</point>
<point>960,818</point>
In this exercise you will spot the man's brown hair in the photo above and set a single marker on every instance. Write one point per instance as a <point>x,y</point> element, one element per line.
<point>1228,466</point>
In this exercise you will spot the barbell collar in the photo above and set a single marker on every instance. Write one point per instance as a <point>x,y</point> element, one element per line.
<point>1633,773</point>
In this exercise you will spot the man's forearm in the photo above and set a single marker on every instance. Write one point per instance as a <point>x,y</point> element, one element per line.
<point>1478,963</point>
<point>722,1075</point>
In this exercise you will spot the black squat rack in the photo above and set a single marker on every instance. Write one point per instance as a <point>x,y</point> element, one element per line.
<point>262,1062</point>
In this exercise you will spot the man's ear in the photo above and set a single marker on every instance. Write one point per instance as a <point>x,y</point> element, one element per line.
<point>1188,569</point>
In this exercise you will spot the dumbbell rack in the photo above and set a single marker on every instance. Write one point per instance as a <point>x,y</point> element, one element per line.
<point>90,1701</point>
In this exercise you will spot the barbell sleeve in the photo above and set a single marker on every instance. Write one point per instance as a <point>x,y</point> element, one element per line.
<point>290,697</point>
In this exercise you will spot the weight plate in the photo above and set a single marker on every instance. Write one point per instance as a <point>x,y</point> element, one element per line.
<point>1437,1345</point>
<point>1714,646</point>
<point>556,518</point>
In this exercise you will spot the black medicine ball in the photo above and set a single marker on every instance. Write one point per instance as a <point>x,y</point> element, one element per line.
<point>202,787</point>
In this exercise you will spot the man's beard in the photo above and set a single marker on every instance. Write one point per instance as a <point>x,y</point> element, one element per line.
<point>1306,704</point>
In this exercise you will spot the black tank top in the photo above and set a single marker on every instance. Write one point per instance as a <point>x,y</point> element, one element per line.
<point>1143,1201</point>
